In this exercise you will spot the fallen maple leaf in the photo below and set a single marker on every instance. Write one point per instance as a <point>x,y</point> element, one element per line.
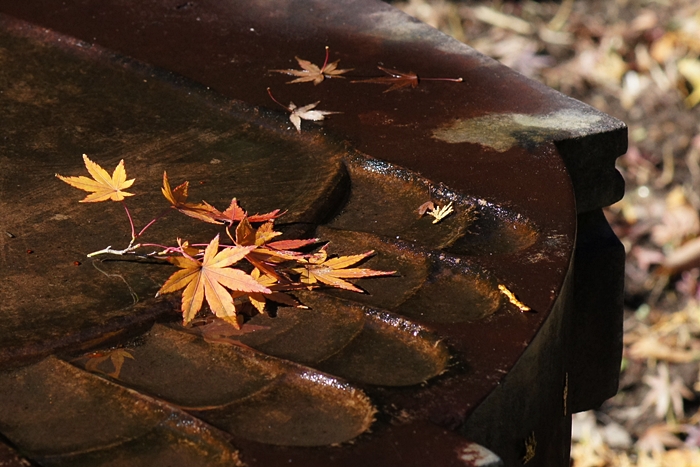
<point>396,79</point>
<point>318,268</point>
<point>652,347</point>
<point>247,236</point>
<point>665,394</point>
<point>177,197</point>
<point>306,113</point>
<point>439,213</point>
<point>399,79</point>
<point>657,438</point>
<point>207,278</point>
<point>116,356</point>
<point>690,69</point>
<point>286,245</point>
<point>311,72</point>
<point>235,213</point>
<point>102,186</point>
<point>261,256</point>
<point>297,114</point>
<point>513,299</point>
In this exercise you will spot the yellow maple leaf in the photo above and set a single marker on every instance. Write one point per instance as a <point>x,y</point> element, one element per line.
<point>209,279</point>
<point>102,186</point>
<point>332,271</point>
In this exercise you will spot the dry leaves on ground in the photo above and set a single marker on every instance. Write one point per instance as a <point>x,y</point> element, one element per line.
<point>638,61</point>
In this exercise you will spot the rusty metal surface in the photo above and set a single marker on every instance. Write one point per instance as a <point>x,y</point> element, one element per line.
<point>490,139</point>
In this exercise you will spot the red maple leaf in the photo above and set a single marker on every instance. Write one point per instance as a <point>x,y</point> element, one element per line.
<point>399,79</point>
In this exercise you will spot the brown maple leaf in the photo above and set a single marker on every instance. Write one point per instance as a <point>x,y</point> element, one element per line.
<point>311,72</point>
<point>245,234</point>
<point>318,268</point>
<point>399,79</point>
<point>116,356</point>
<point>307,112</point>
<point>177,198</point>
<point>209,279</point>
<point>288,245</point>
<point>102,186</point>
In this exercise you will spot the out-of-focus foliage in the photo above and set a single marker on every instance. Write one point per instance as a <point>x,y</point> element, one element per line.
<point>639,61</point>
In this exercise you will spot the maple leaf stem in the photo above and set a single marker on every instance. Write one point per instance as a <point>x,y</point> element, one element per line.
<point>325,62</point>
<point>165,249</point>
<point>269,92</point>
<point>153,221</point>
<point>454,80</point>
<point>228,232</point>
<point>131,222</point>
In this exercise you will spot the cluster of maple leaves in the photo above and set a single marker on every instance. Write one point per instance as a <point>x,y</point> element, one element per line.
<point>215,272</point>
<point>310,72</point>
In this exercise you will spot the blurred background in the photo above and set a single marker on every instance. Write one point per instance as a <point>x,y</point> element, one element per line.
<point>637,60</point>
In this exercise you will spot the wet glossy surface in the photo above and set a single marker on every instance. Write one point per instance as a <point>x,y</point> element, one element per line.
<point>422,349</point>
<point>55,109</point>
<point>59,415</point>
<point>245,393</point>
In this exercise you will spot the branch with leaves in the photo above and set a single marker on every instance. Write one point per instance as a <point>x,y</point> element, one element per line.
<point>215,272</point>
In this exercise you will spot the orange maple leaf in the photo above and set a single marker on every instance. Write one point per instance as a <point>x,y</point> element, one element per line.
<point>177,197</point>
<point>311,72</point>
<point>102,186</point>
<point>294,244</point>
<point>235,213</point>
<point>208,278</point>
<point>319,268</point>
<point>266,232</point>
